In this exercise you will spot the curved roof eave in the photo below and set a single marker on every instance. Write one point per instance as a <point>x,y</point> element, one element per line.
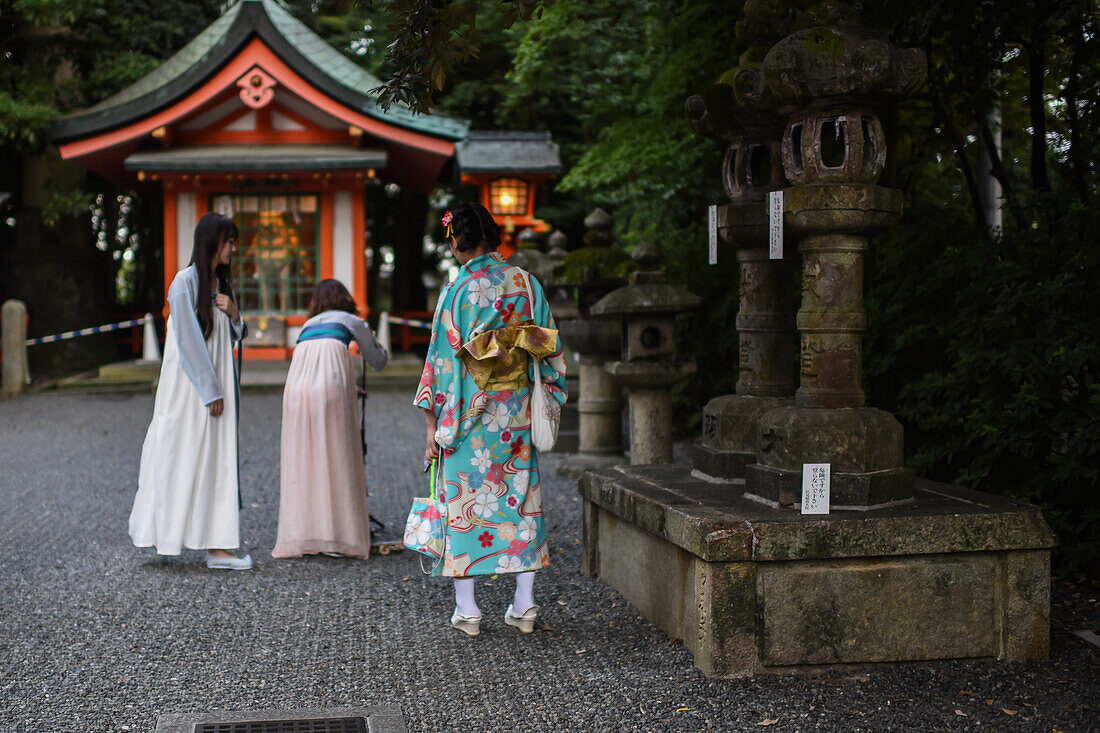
<point>318,63</point>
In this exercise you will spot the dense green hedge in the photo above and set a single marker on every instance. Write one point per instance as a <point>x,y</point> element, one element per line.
<point>987,350</point>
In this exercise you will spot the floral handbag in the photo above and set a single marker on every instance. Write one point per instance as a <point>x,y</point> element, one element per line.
<point>424,529</point>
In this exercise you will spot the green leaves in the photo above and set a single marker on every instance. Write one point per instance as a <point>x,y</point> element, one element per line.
<point>430,37</point>
<point>986,351</point>
<point>22,123</point>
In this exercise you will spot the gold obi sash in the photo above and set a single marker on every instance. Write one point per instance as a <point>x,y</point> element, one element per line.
<point>497,359</point>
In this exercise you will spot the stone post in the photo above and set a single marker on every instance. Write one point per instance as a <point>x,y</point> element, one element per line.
<point>14,342</point>
<point>599,404</point>
<point>558,252</point>
<point>650,366</point>
<point>765,318</point>
<point>826,78</point>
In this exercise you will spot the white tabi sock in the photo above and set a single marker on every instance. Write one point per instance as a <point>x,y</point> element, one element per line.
<point>525,592</point>
<point>464,597</point>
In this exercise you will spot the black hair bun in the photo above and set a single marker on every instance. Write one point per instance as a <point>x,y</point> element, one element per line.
<point>473,226</point>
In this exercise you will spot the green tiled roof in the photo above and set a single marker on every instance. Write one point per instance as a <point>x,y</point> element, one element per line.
<point>486,151</point>
<point>292,40</point>
<point>190,55</point>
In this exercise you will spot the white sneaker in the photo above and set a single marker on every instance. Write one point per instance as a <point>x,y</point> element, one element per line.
<point>228,563</point>
<point>525,621</point>
<point>469,625</point>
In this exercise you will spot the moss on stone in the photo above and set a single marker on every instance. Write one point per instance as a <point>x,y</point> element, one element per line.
<point>609,263</point>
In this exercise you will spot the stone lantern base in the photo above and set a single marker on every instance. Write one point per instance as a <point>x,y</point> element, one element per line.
<point>954,574</point>
<point>729,433</point>
<point>863,445</point>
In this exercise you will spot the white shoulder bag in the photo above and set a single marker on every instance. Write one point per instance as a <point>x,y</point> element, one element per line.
<point>545,410</point>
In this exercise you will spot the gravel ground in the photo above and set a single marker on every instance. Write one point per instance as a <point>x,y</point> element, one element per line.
<point>100,636</point>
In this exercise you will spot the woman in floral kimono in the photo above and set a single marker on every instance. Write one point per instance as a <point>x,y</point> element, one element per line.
<point>475,392</point>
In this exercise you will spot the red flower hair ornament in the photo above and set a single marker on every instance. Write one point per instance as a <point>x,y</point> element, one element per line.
<point>447,217</point>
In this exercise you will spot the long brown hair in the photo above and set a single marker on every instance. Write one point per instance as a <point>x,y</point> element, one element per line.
<point>210,233</point>
<point>331,295</point>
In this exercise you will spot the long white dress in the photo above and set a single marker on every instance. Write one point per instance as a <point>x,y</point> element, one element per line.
<point>188,490</point>
<point>323,487</point>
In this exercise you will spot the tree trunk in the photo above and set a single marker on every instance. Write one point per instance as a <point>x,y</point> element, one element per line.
<point>1070,95</point>
<point>57,271</point>
<point>996,167</point>
<point>958,143</point>
<point>1036,70</point>
<point>408,284</point>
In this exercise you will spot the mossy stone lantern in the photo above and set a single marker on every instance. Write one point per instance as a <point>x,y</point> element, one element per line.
<point>595,342</point>
<point>754,586</point>
<point>826,78</point>
<point>650,363</point>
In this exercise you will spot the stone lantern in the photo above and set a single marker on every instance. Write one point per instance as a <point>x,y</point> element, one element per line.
<point>560,296</point>
<point>765,318</point>
<point>650,363</point>
<point>595,342</point>
<point>749,584</point>
<point>827,78</point>
<point>558,251</point>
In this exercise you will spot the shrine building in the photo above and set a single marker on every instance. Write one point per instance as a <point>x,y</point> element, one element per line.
<point>261,120</point>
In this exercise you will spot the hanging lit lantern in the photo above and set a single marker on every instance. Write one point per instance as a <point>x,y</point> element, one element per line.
<point>508,197</point>
<point>506,167</point>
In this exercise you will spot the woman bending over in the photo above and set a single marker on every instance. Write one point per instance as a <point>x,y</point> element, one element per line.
<point>323,487</point>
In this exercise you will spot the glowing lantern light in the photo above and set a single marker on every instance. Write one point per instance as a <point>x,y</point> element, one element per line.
<point>508,197</point>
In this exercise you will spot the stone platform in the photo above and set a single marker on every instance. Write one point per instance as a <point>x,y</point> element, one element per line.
<point>954,574</point>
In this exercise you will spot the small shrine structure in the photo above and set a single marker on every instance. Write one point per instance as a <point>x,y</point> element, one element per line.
<point>258,118</point>
<point>506,166</point>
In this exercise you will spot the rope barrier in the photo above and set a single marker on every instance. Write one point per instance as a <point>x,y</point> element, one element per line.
<point>89,331</point>
<point>409,322</point>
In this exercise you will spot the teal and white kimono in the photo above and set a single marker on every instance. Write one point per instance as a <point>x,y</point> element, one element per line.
<point>483,333</point>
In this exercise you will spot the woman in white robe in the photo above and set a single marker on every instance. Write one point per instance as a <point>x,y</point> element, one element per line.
<point>188,492</point>
<point>323,487</point>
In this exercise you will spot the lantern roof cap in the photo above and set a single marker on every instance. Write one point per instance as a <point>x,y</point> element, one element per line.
<point>308,54</point>
<point>505,151</point>
<point>650,298</point>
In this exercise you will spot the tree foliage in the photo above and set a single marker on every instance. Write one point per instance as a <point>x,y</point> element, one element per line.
<point>979,339</point>
<point>430,37</point>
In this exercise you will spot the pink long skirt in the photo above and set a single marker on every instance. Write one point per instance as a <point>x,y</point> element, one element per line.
<point>323,488</point>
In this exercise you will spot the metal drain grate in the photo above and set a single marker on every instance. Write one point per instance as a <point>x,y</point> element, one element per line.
<point>319,725</point>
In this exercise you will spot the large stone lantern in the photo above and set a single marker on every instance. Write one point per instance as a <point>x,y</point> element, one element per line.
<point>898,569</point>
<point>827,79</point>
<point>650,365</point>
